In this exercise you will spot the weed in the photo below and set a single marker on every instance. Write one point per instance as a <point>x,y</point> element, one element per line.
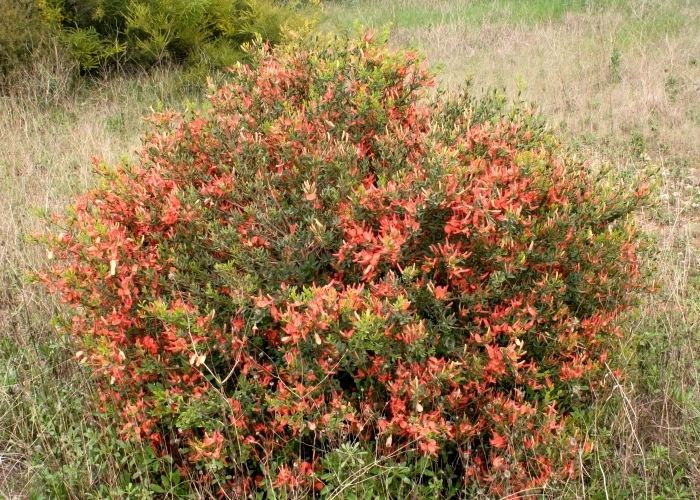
<point>615,66</point>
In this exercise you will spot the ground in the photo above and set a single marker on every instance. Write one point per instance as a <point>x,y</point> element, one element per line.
<point>618,79</point>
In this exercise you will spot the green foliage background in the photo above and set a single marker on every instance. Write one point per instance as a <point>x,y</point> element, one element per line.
<point>21,30</point>
<point>98,35</point>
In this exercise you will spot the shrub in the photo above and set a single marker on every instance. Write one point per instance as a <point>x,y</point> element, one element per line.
<point>329,273</point>
<point>146,32</point>
<point>34,62</point>
<point>20,31</point>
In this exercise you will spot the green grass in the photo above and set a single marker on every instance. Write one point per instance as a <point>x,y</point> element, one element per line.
<point>637,22</point>
<point>468,13</point>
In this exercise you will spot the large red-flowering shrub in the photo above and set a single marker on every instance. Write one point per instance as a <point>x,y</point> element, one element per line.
<point>331,258</point>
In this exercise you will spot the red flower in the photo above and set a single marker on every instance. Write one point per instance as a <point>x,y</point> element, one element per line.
<point>498,441</point>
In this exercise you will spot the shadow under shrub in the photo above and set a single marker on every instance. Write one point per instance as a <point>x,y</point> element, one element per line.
<point>328,280</point>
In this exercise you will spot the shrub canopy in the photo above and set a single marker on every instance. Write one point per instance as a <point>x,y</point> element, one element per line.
<point>332,258</point>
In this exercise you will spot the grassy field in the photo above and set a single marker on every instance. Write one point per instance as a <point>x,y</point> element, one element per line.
<point>620,81</point>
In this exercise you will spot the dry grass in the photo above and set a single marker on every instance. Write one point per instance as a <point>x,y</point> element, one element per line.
<point>568,66</point>
<point>46,143</point>
<point>620,81</point>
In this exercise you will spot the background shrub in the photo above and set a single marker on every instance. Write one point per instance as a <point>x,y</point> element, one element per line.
<point>20,31</point>
<point>34,61</point>
<point>146,32</point>
<point>327,274</point>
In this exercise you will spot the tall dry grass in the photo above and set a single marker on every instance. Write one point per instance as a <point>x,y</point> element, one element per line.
<point>50,128</point>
